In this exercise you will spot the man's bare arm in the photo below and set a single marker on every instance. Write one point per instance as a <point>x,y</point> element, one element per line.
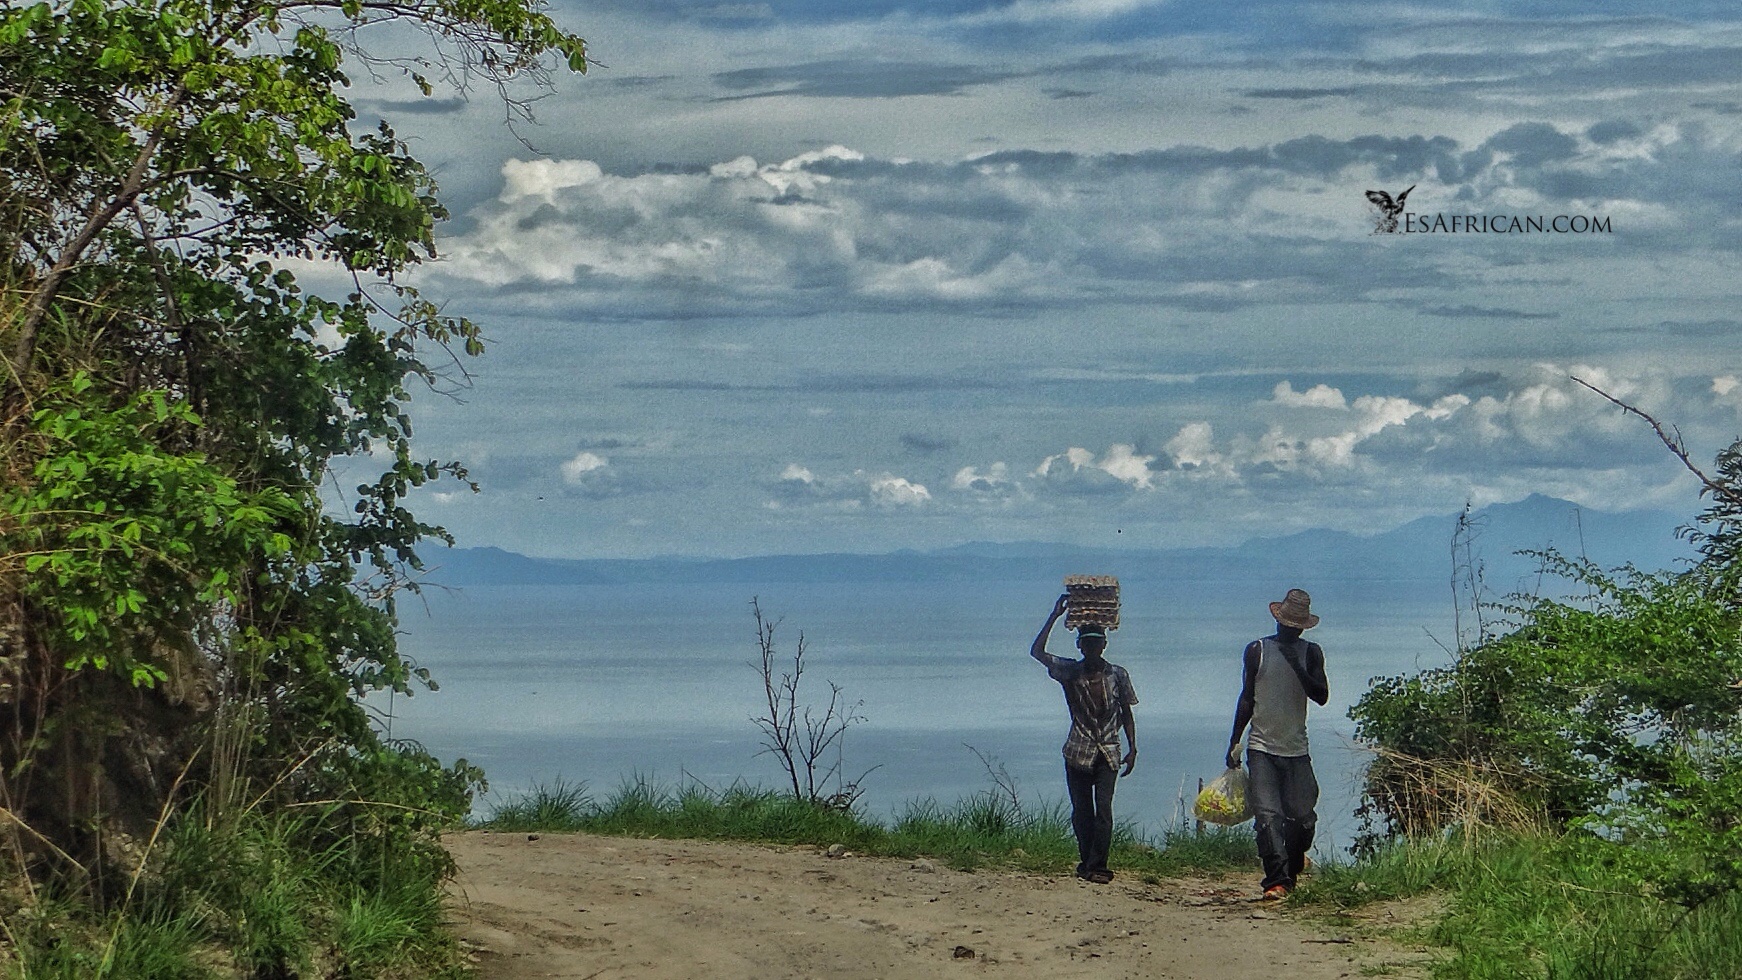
<point>1243,708</point>
<point>1038,651</point>
<point>1130,722</point>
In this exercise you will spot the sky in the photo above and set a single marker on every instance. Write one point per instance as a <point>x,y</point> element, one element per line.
<point>815,275</point>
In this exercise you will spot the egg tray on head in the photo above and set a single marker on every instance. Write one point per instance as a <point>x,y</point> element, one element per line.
<point>1094,601</point>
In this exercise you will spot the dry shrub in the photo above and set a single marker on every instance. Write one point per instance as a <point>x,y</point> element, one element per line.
<point>1419,797</point>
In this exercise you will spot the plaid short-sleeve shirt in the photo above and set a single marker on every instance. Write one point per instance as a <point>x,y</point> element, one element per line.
<point>1096,699</point>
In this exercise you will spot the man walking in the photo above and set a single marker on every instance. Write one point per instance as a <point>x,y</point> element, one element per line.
<point>1100,697</point>
<point>1281,672</point>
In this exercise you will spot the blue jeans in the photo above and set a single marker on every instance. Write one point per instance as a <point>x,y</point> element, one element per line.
<point>1283,791</point>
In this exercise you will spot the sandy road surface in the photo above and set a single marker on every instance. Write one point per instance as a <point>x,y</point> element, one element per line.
<point>608,908</point>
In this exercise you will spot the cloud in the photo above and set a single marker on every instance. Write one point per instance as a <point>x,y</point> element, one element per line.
<point>1193,228</point>
<point>1121,469</point>
<point>918,442</point>
<point>415,107</point>
<point>798,486</point>
<point>1318,396</point>
<point>995,480</point>
<point>888,490</point>
<point>1467,311</point>
<point>856,79</point>
<point>588,474</point>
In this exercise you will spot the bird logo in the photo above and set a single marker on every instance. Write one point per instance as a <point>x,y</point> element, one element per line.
<point>1388,209</point>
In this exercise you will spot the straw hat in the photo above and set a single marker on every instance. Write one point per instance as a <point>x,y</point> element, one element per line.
<point>1295,610</point>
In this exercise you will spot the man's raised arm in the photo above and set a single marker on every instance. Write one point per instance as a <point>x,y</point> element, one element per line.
<point>1038,651</point>
<point>1309,666</point>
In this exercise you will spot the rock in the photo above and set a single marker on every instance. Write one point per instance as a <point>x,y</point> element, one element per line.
<point>836,850</point>
<point>962,953</point>
<point>923,866</point>
<point>1260,915</point>
<point>532,837</point>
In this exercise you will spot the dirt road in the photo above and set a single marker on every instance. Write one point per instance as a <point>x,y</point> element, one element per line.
<point>608,907</point>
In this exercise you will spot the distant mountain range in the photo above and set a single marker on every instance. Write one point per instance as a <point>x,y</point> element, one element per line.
<point>1417,551</point>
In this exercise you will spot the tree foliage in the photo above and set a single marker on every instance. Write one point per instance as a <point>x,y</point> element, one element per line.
<point>1617,714</point>
<point>179,601</point>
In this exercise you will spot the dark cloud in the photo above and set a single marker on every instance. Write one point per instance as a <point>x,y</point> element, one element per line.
<point>415,107</point>
<point>854,79</point>
<point>1533,144</point>
<point>1604,133</point>
<point>1300,94</point>
<point>916,442</point>
<point>1468,312</point>
<point>1713,329</point>
<point>1470,383</point>
<point>607,443</point>
<point>819,382</point>
<point>629,82</point>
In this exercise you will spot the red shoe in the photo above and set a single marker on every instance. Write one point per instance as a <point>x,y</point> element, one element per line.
<point>1276,893</point>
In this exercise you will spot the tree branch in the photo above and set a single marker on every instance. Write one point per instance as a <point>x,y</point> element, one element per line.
<point>1673,442</point>
<point>43,296</point>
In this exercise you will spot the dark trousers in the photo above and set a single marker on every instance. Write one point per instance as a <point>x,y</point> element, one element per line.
<point>1284,792</point>
<point>1092,812</point>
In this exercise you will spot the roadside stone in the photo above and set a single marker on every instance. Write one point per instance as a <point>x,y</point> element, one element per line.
<point>836,851</point>
<point>962,953</point>
<point>923,866</point>
<point>532,837</point>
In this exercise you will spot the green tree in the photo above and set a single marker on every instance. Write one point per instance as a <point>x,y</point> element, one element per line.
<point>1616,715</point>
<point>178,601</point>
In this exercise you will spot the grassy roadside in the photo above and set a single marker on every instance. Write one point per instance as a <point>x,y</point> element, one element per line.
<point>299,893</point>
<point>1523,906</point>
<point>1558,908</point>
<point>983,829</point>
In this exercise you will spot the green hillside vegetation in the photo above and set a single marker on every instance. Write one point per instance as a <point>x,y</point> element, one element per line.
<point>1573,783</point>
<point>189,783</point>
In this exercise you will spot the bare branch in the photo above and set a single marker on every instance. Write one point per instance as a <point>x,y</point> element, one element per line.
<point>1672,440</point>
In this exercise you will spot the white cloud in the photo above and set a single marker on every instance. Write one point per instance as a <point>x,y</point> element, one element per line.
<point>1077,470</point>
<point>797,485</point>
<point>969,479</point>
<point>894,491</point>
<point>590,475</point>
<point>1318,396</point>
<point>1194,446</point>
<point>576,470</point>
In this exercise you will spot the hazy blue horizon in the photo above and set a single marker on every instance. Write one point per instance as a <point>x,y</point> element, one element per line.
<point>601,684</point>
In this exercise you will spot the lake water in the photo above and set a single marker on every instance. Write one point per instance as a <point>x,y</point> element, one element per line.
<point>600,683</point>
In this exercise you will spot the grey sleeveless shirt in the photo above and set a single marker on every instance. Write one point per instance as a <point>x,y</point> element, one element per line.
<point>1279,705</point>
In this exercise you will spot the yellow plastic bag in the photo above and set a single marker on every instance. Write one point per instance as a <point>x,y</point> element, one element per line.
<point>1224,801</point>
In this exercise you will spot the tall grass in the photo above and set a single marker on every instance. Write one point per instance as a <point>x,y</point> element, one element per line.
<point>258,895</point>
<point>986,827</point>
<point>1541,906</point>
